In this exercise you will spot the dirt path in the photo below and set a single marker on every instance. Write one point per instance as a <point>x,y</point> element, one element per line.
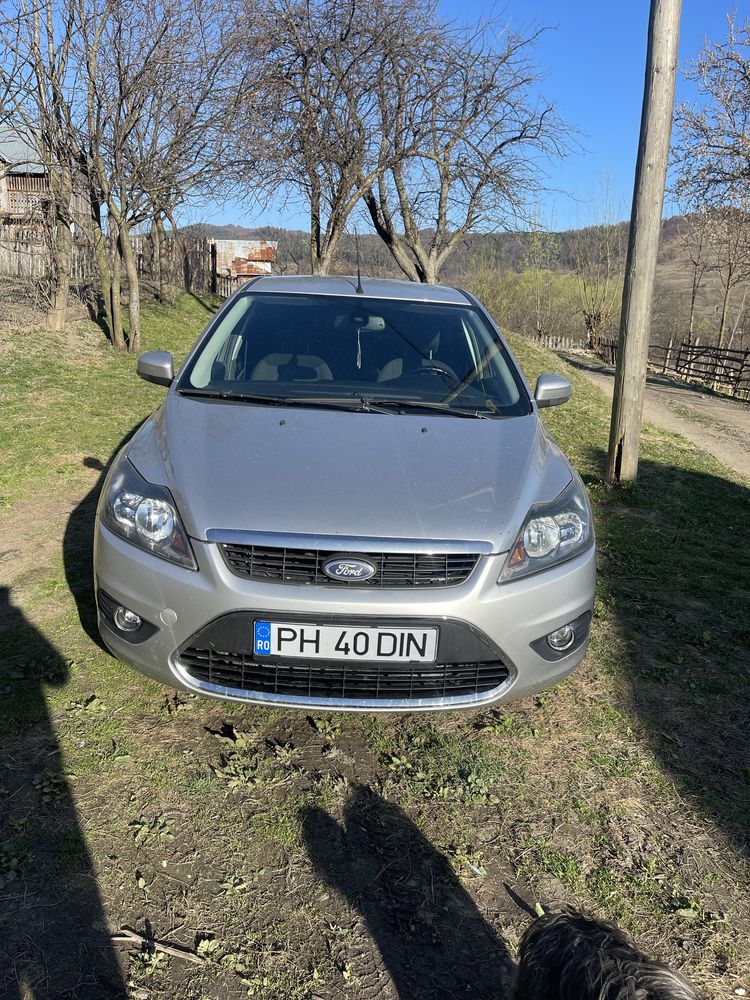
<point>718,426</point>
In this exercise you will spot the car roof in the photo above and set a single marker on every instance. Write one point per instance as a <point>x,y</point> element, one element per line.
<point>374,288</point>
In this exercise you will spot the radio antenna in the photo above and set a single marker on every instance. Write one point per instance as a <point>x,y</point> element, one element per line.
<point>359,289</point>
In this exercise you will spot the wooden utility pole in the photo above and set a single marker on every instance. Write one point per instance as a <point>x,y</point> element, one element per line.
<point>643,244</point>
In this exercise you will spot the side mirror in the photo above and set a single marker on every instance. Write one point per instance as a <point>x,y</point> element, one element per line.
<point>551,390</point>
<point>156,367</point>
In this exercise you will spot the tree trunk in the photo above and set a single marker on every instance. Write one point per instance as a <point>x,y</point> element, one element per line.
<point>643,242</point>
<point>724,314</point>
<point>134,289</point>
<point>315,231</point>
<point>428,272</point>
<point>693,297</point>
<point>61,184</point>
<point>736,325</point>
<point>328,248</point>
<point>166,288</point>
<point>390,238</point>
<point>118,333</point>
<point>158,236</point>
<point>155,240</point>
<point>102,258</point>
<point>57,310</point>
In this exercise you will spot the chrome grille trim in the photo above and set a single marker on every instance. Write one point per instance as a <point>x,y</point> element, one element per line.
<point>349,543</point>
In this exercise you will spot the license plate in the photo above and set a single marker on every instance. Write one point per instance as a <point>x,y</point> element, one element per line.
<point>332,642</point>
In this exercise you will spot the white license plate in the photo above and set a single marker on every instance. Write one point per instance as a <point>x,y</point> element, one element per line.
<point>332,642</point>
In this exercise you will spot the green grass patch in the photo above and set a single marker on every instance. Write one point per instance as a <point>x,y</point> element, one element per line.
<point>66,397</point>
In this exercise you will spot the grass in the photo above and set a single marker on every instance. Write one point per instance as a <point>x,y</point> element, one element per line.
<point>325,856</point>
<point>69,397</point>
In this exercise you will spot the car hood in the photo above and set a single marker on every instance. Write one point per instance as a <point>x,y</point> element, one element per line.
<point>237,466</point>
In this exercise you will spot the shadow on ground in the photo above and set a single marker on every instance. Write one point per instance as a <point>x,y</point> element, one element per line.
<point>674,569</point>
<point>78,547</point>
<point>433,941</point>
<point>54,940</point>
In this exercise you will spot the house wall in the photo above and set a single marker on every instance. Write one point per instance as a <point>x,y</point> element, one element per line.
<point>25,194</point>
<point>244,258</point>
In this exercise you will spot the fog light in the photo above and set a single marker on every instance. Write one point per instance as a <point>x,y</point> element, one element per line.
<point>561,638</point>
<point>125,620</point>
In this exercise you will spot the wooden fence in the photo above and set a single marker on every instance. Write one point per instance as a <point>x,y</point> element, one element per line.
<point>24,255</point>
<point>720,368</point>
<point>558,343</point>
<point>724,369</point>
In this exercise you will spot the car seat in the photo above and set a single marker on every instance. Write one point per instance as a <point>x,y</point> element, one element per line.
<point>291,368</point>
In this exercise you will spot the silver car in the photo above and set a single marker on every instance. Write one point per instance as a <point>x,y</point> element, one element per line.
<point>347,500</point>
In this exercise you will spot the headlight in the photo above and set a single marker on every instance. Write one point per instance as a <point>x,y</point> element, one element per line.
<point>145,515</point>
<point>551,533</point>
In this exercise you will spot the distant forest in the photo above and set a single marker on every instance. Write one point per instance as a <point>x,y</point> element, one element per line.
<point>505,251</point>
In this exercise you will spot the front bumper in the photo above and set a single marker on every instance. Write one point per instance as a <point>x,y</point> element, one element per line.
<point>480,622</point>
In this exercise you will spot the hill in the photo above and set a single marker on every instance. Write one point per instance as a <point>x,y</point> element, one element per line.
<point>508,253</point>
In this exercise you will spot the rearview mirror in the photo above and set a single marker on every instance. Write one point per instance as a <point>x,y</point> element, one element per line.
<point>156,367</point>
<point>551,390</point>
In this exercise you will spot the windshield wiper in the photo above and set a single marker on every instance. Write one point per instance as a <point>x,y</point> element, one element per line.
<point>365,404</point>
<point>357,404</point>
<point>416,404</point>
<point>243,397</point>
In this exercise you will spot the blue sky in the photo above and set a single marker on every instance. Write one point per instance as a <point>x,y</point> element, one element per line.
<point>593,60</point>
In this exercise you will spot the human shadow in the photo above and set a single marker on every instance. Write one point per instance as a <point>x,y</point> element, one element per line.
<point>54,941</point>
<point>674,567</point>
<point>432,939</point>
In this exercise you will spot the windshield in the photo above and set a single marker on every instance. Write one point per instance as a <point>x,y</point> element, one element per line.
<point>363,353</point>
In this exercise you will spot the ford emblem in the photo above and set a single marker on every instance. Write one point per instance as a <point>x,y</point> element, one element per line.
<point>348,570</point>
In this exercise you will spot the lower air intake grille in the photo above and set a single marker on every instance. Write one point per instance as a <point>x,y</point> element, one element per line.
<point>324,679</point>
<point>392,569</point>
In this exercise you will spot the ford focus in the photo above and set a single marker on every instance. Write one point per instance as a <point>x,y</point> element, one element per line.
<point>347,500</point>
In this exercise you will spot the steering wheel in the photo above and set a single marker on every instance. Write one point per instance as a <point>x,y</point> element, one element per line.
<point>435,368</point>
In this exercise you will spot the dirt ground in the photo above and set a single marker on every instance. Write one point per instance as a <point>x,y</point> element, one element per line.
<point>716,424</point>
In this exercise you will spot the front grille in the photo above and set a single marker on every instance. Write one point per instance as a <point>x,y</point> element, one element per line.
<point>392,569</point>
<point>330,679</point>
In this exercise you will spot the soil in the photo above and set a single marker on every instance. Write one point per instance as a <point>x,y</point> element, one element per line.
<point>714,423</point>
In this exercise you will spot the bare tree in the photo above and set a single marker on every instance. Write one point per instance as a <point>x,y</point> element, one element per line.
<point>460,128</point>
<point>728,239</point>
<point>320,63</point>
<point>161,79</point>
<point>135,98</point>
<point>712,143</point>
<point>37,80</point>
<point>693,243</point>
<point>541,258</point>
<point>598,263</point>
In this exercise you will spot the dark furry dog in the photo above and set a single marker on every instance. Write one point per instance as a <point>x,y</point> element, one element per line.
<point>567,956</point>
